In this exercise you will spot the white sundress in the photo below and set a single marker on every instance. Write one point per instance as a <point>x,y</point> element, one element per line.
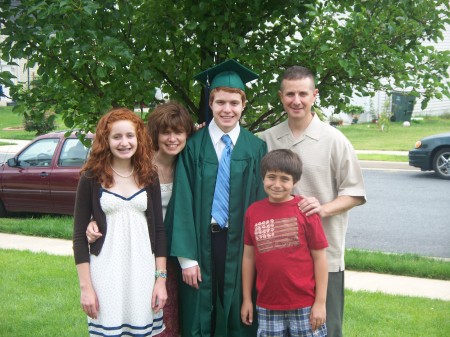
<point>123,274</point>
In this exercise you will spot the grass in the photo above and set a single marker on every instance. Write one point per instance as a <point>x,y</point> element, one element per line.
<point>368,136</point>
<point>380,315</point>
<point>397,264</point>
<point>51,226</point>
<point>383,157</point>
<point>11,125</point>
<point>40,298</point>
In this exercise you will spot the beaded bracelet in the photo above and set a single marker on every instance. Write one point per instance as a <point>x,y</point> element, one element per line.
<point>161,273</point>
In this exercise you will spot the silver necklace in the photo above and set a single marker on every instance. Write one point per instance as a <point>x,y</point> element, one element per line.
<point>164,180</point>
<point>120,175</point>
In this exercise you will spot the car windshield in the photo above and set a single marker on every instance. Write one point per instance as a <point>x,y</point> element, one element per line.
<point>39,153</point>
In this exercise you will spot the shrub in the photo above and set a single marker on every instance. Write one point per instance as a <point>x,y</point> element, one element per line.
<point>41,123</point>
<point>354,109</point>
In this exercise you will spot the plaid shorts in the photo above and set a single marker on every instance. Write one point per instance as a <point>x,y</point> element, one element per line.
<point>284,323</point>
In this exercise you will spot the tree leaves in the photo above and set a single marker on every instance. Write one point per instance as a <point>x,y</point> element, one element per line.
<point>95,55</point>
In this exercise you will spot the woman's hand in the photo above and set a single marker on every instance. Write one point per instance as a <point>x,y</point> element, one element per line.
<point>199,126</point>
<point>89,301</point>
<point>159,297</point>
<point>92,232</point>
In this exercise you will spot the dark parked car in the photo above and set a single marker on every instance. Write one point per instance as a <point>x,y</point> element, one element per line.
<point>432,153</point>
<point>43,176</point>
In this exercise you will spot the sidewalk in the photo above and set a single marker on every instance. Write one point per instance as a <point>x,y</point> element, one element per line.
<point>14,146</point>
<point>395,153</point>
<point>357,281</point>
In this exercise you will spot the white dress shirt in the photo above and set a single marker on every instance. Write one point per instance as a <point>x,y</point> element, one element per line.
<point>216,137</point>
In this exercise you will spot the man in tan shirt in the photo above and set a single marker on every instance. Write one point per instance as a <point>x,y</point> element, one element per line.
<point>332,180</point>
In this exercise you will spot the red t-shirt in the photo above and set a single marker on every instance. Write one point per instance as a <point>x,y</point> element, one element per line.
<point>283,237</point>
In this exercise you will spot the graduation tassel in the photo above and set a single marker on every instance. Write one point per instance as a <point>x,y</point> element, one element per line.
<point>208,117</point>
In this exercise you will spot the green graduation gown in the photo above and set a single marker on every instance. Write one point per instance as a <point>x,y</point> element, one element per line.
<point>192,197</point>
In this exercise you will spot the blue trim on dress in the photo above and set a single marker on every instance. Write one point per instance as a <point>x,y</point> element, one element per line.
<point>127,333</point>
<point>122,197</point>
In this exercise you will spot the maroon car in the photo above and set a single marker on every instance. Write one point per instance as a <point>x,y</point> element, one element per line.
<point>43,176</point>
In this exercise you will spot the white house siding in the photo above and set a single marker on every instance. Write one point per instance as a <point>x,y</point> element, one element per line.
<point>21,73</point>
<point>434,107</point>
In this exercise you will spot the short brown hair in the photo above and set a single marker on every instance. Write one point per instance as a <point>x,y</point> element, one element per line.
<point>297,73</point>
<point>282,160</point>
<point>168,116</point>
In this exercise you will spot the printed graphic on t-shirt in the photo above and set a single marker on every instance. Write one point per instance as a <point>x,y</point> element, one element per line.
<point>276,234</point>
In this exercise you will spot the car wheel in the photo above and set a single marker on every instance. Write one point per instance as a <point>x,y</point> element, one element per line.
<point>2,210</point>
<point>441,163</point>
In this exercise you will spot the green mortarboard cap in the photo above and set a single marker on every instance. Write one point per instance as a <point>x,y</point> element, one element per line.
<point>229,74</point>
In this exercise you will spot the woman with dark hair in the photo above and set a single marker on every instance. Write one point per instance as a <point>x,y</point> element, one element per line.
<point>169,126</point>
<point>123,274</point>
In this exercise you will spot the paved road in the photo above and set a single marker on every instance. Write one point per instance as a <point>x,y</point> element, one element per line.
<point>407,212</point>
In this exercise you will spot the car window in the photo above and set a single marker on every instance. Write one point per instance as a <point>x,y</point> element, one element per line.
<point>39,153</point>
<point>73,153</point>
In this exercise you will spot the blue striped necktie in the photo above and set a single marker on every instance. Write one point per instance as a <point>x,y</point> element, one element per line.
<point>222,192</point>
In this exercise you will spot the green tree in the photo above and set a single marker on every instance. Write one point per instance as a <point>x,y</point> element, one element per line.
<point>93,55</point>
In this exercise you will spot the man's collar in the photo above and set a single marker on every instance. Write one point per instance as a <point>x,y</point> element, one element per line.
<point>311,131</point>
<point>216,133</point>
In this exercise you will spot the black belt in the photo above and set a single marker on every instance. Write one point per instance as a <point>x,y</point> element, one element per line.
<point>215,228</point>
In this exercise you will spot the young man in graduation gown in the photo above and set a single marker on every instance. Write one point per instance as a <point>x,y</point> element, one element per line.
<point>209,244</point>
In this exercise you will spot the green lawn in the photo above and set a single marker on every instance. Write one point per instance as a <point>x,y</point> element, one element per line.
<point>380,315</point>
<point>383,157</point>
<point>397,264</point>
<point>52,226</point>
<point>11,125</point>
<point>40,298</point>
<point>398,137</point>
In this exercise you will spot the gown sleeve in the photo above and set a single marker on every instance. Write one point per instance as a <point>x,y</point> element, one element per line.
<point>184,236</point>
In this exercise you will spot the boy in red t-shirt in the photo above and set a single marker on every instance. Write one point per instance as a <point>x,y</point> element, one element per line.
<point>286,249</point>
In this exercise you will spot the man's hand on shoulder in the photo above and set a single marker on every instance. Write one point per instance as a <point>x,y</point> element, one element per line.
<point>310,205</point>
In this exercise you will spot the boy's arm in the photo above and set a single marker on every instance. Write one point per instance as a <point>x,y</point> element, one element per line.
<point>318,310</point>
<point>248,277</point>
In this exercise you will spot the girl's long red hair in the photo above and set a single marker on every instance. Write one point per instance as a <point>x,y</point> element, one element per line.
<point>99,160</point>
